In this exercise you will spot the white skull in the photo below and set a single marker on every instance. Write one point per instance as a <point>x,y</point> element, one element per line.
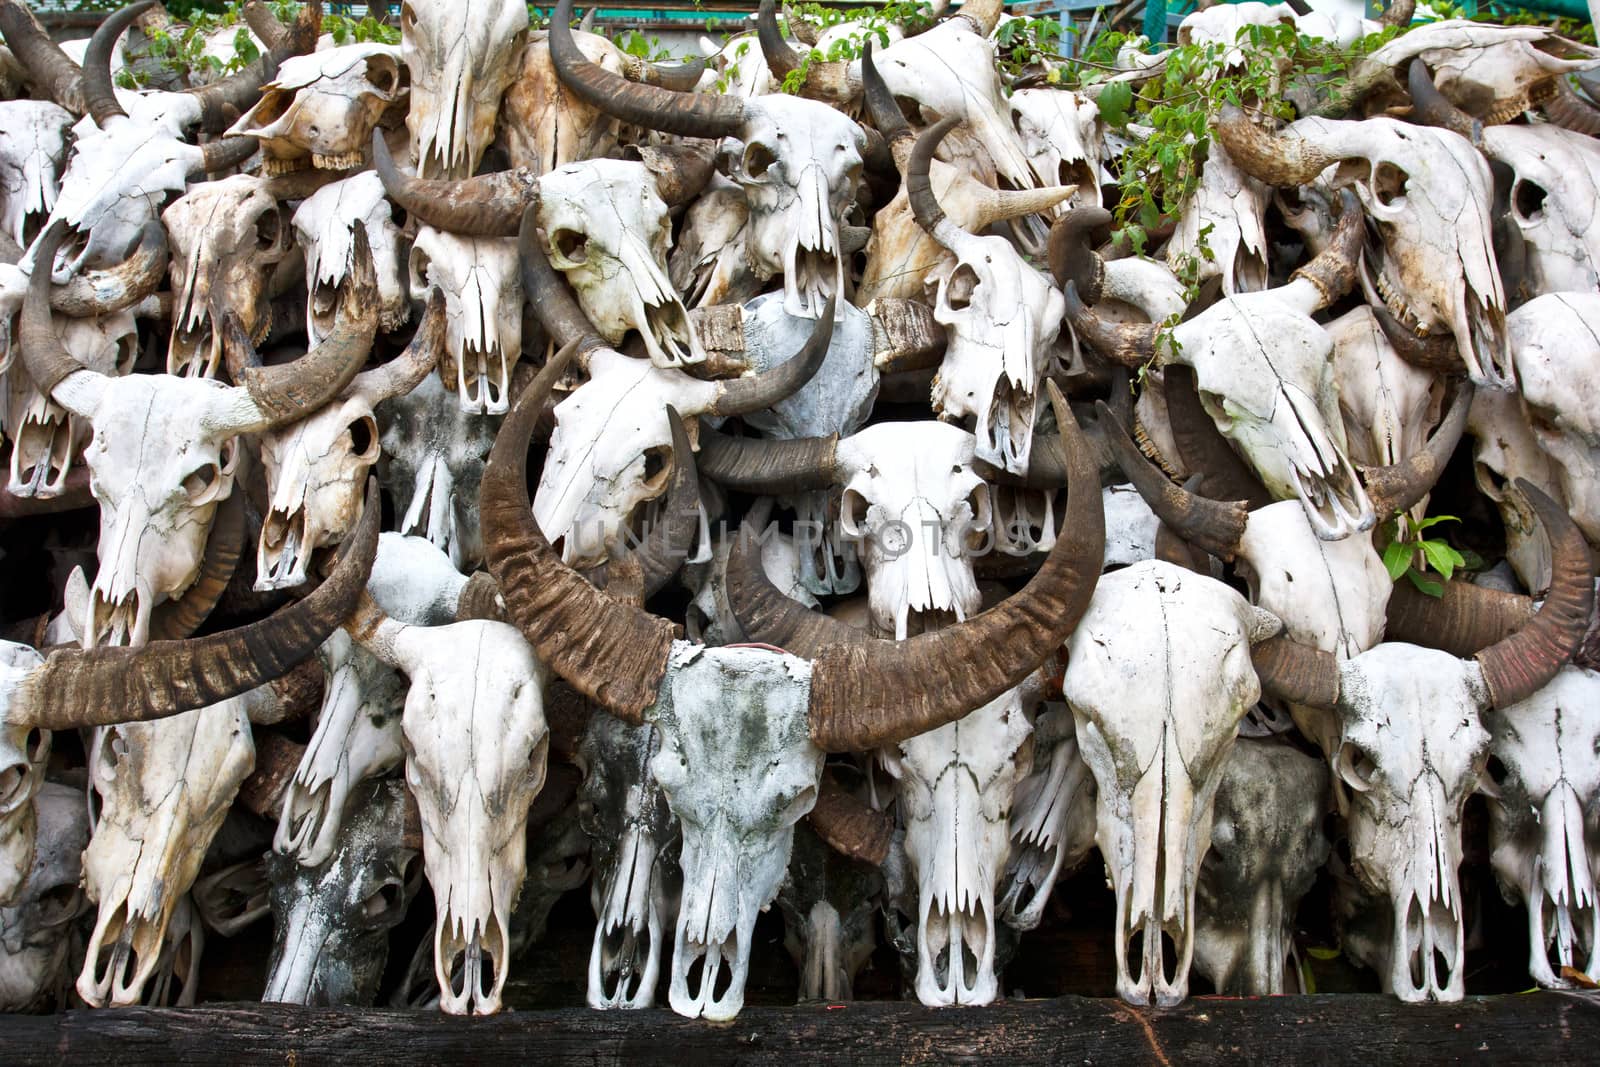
<point>548,126</point>
<point>609,233</point>
<point>33,150</point>
<point>1555,186</point>
<point>475,743</point>
<point>830,905</point>
<point>1131,526</point>
<point>482,290</point>
<point>1388,405</point>
<point>1494,72</point>
<point>1556,351</point>
<point>164,787</point>
<point>357,737</point>
<point>1052,821</point>
<point>1267,846</point>
<point>461,55</point>
<point>226,237</point>
<point>737,793</point>
<point>36,931</point>
<point>324,224</point>
<point>1411,751</point>
<point>1061,135</point>
<point>320,109</point>
<point>1229,207</point>
<point>1504,450</point>
<point>955,791</point>
<point>1158,677</point>
<point>1544,821</point>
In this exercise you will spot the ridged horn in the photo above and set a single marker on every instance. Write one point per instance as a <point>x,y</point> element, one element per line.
<point>1213,525</point>
<point>681,171</point>
<point>983,14</point>
<point>1400,486</point>
<point>676,77</point>
<point>613,653</point>
<point>653,108</point>
<point>1274,158</point>
<point>177,619</point>
<point>919,191</point>
<point>225,153</point>
<point>740,396</point>
<point>1430,108</point>
<point>1520,665</point>
<point>101,292</point>
<point>1571,111</point>
<point>1296,673</point>
<point>1070,251</point>
<point>1436,353</point>
<point>79,689</point>
<point>664,549</point>
<point>849,825</point>
<point>1465,619</point>
<point>47,360</point>
<point>768,467</point>
<point>48,67</point>
<point>405,372</point>
<point>1333,270</point>
<point>1129,344</point>
<point>98,96</point>
<point>1398,13</point>
<point>489,205</point>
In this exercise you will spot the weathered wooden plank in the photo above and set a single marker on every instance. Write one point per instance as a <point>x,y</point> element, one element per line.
<point>1543,1028</point>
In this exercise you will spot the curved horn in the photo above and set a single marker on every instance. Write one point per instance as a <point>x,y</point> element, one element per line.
<point>681,171</point>
<point>768,467</point>
<point>1274,158</point>
<point>1463,620</point>
<point>1213,525</point>
<point>881,107</point>
<point>849,825</point>
<point>781,58</point>
<point>1131,344</point>
<point>48,67</point>
<point>224,100</point>
<point>677,77</point>
<point>1520,665</point>
<point>1072,257</point>
<point>1571,111</point>
<point>1224,475</point>
<point>685,114</point>
<point>740,396</point>
<point>612,653</point>
<point>1400,486</point>
<point>225,153</point>
<point>490,205</point>
<point>52,368</point>
<point>177,619</point>
<point>666,547</point>
<point>984,15</point>
<point>98,96</point>
<point>919,191</point>
<point>553,303</point>
<point>1333,270</point>
<point>1430,108</point>
<point>1436,353</point>
<point>1296,673</point>
<point>74,690</point>
<point>102,292</point>
<point>405,372</point>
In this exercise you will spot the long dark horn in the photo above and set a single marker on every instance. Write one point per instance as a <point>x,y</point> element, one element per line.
<point>46,358</point>
<point>557,309</point>
<point>223,101</point>
<point>102,292</point>
<point>1203,449</point>
<point>1296,673</point>
<point>1522,664</point>
<point>1130,344</point>
<point>881,107</point>
<point>613,653</point>
<point>781,58</point>
<point>98,96</point>
<point>1274,158</point>
<point>685,114</point>
<point>1072,257</point>
<point>866,693</point>
<point>48,67</point>
<point>665,548</point>
<point>405,372</point>
<point>1430,108</point>
<point>74,690</point>
<point>1213,525</point>
<point>1333,270</point>
<point>767,615</point>
<point>1402,485</point>
<point>919,191</point>
<point>681,171</point>
<point>1436,353</point>
<point>177,619</point>
<point>1465,619</point>
<point>849,825</point>
<point>740,396</point>
<point>490,205</point>
<point>767,467</point>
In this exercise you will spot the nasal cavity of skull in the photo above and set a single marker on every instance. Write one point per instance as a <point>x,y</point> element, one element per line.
<point>961,287</point>
<point>1169,957</point>
<point>1527,199</point>
<point>201,483</point>
<point>111,951</point>
<point>570,247</point>
<point>721,981</point>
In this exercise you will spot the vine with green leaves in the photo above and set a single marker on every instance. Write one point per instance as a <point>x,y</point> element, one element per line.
<point>867,24</point>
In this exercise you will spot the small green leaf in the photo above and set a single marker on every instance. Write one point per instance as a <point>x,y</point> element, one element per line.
<point>1396,559</point>
<point>1441,557</point>
<point>1323,954</point>
<point>1424,584</point>
<point>1113,102</point>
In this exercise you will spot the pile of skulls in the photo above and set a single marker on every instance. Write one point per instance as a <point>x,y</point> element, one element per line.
<point>723,497</point>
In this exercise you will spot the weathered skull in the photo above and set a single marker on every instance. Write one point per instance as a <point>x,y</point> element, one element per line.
<point>1388,405</point>
<point>1555,185</point>
<point>737,794</point>
<point>829,904</point>
<point>33,150</point>
<point>164,787</point>
<point>1544,826</point>
<point>483,299</point>
<point>35,931</point>
<point>1493,72</point>
<point>1266,848</point>
<point>433,457</point>
<point>1505,449</point>
<point>357,737</point>
<point>331,920</point>
<point>1159,675</point>
<point>475,742</point>
<point>1061,135</point>
<point>609,233</point>
<point>461,56</point>
<point>955,790</point>
<point>226,237</point>
<point>1556,351</point>
<point>547,126</point>
<point>634,841</point>
<point>321,108</point>
<point>1052,821</point>
<point>324,224</point>
<point>1229,207</point>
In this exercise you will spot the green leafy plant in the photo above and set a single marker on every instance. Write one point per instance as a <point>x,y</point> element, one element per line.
<point>867,24</point>
<point>635,43</point>
<point>1419,558</point>
<point>1024,42</point>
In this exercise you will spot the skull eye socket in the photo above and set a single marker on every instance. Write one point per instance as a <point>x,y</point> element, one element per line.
<point>57,905</point>
<point>1355,767</point>
<point>569,246</point>
<point>383,77</point>
<point>1494,774</point>
<point>364,439</point>
<point>801,803</point>
<point>1527,200</point>
<point>385,905</point>
<point>113,749</point>
<point>408,19</point>
<point>269,230</point>
<point>203,483</point>
<point>1388,183</point>
<point>758,159</point>
<point>962,285</point>
<point>657,467</point>
<point>853,513</point>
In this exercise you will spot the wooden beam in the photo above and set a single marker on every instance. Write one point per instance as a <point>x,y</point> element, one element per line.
<point>1546,1028</point>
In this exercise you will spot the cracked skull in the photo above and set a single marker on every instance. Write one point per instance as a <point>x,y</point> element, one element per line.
<point>321,108</point>
<point>483,300</point>
<point>460,54</point>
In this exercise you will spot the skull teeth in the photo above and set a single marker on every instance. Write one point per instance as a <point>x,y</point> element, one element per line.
<point>274,166</point>
<point>341,161</point>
